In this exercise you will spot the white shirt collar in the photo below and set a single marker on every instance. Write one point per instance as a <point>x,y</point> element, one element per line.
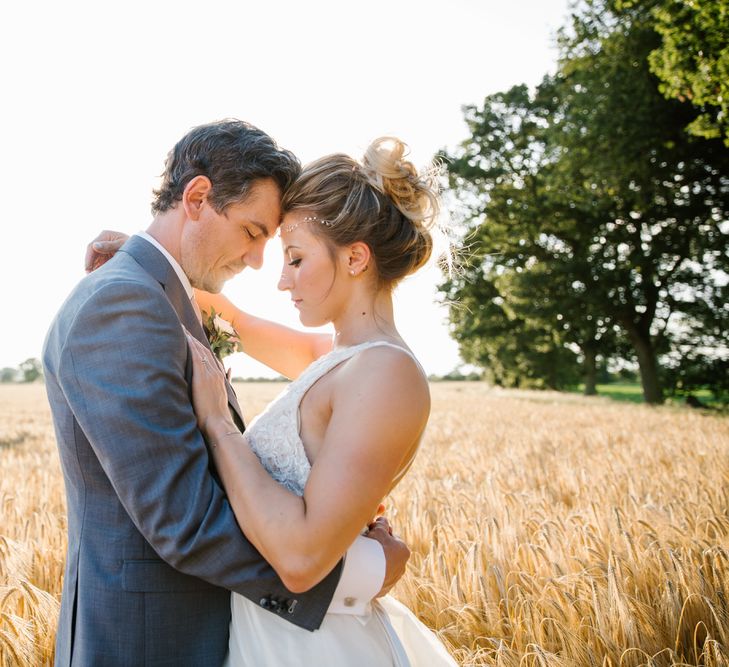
<point>173,262</point>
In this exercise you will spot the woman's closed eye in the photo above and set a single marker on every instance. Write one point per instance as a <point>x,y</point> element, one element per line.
<point>295,262</point>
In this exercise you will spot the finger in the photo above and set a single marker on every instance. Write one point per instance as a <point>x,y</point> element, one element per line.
<point>96,257</point>
<point>377,526</point>
<point>199,348</point>
<point>89,258</point>
<point>107,247</point>
<point>202,356</point>
<point>209,358</point>
<point>196,348</point>
<point>384,528</point>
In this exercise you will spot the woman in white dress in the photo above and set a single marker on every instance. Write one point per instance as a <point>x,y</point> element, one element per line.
<point>310,472</point>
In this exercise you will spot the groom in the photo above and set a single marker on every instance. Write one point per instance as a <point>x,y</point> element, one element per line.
<point>153,547</point>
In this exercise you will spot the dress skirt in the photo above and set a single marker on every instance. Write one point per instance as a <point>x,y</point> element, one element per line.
<point>389,636</point>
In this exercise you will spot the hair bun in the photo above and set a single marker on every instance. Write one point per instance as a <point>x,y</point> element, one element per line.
<point>413,193</point>
<point>382,201</point>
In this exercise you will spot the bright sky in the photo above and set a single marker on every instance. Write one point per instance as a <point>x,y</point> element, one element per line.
<point>96,93</point>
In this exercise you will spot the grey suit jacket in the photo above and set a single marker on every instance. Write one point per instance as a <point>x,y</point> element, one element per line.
<point>153,546</point>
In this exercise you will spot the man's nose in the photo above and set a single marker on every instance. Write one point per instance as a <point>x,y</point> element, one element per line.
<point>254,257</point>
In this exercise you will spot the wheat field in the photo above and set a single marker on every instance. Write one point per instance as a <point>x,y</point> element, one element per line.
<point>546,529</point>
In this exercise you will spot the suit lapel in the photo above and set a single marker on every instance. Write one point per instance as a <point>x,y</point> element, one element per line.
<point>157,265</point>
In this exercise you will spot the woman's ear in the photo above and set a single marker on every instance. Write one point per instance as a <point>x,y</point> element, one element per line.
<point>195,195</point>
<point>359,257</point>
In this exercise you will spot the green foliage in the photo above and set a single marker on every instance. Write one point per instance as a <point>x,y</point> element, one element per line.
<point>31,370</point>
<point>692,60</point>
<point>630,393</point>
<point>456,375</point>
<point>596,223</point>
<point>8,374</point>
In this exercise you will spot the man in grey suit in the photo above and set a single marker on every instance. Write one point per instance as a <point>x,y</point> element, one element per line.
<point>154,549</point>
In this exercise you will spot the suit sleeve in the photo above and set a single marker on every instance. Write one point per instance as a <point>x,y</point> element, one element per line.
<point>123,373</point>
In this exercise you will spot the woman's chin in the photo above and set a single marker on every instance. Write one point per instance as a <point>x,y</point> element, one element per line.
<point>311,321</point>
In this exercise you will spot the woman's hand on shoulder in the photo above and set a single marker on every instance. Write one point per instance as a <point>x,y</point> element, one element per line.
<point>103,248</point>
<point>209,395</point>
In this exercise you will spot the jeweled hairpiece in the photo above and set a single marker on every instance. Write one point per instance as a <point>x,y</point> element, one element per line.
<point>308,218</point>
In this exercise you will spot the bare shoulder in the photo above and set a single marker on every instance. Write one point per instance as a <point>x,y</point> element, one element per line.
<point>387,373</point>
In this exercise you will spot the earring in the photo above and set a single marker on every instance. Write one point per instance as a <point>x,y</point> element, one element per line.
<point>351,272</point>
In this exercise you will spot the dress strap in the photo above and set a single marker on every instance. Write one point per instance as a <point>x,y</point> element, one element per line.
<point>329,361</point>
<point>378,343</point>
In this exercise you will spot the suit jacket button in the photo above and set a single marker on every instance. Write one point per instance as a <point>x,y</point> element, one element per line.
<point>265,603</point>
<point>350,602</point>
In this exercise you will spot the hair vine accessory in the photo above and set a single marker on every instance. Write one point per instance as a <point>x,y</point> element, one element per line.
<point>308,218</point>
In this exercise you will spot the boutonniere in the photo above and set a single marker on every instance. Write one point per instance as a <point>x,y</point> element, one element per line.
<point>222,337</point>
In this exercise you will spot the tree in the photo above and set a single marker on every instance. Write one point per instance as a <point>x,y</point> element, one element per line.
<point>512,318</point>
<point>699,358</point>
<point>590,191</point>
<point>8,374</point>
<point>666,190</point>
<point>692,60</point>
<point>541,315</point>
<point>514,350</point>
<point>31,369</point>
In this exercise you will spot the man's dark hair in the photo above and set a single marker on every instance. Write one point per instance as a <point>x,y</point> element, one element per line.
<point>232,154</point>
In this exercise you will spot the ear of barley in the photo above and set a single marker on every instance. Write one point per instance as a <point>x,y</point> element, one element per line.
<point>544,530</point>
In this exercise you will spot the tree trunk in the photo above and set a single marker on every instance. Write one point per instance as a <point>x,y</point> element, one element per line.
<point>590,370</point>
<point>644,350</point>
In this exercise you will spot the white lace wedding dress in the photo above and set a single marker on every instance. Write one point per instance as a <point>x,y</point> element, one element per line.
<point>389,635</point>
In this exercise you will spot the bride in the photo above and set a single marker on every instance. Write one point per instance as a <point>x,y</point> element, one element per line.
<point>311,471</point>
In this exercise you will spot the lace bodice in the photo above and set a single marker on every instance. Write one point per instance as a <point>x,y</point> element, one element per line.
<point>274,434</point>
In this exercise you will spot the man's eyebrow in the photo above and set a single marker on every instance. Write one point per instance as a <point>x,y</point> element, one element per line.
<point>262,227</point>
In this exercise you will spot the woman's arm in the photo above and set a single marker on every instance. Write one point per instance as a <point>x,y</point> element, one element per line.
<point>285,350</point>
<point>372,432</point>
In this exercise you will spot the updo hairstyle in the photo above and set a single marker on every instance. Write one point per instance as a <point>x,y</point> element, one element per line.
<point>383,202</point>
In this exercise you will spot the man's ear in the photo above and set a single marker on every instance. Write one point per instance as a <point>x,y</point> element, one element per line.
<point>195,196</point>
<point>359,257</point>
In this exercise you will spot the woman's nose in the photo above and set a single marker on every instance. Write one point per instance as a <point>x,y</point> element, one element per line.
<point>283,282</point>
